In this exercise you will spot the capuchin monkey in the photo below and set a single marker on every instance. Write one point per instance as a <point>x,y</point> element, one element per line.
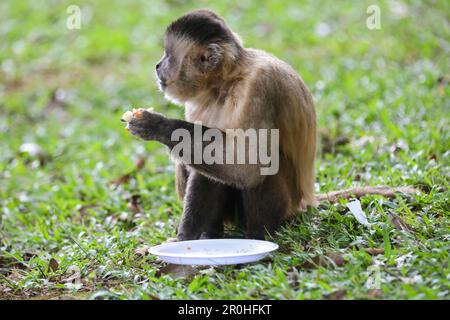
<point>224,85</point>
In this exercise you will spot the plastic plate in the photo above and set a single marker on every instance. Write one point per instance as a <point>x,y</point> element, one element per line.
<point>213,251</point>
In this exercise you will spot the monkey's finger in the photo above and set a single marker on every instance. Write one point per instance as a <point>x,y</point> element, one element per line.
<point>137,122</point>
<point>135,131</point>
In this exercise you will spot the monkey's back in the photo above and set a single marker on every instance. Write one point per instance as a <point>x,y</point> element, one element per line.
<point>290,104</point>
<point>268,94</point>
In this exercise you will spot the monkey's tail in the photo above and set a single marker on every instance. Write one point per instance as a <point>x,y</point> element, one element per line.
<point>358,192</point>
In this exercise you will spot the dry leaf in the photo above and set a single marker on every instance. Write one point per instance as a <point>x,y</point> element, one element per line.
<point>336,295</point>
<point>121,180</point>
<point>177,271</point>
<point>141,251</point>
<point>374,251</point>
<point>133,204</point>
<point>83,209</point>
<point>337,258</point>
<point>293,279</point>
<point>139,163</point>
<point>329,146</point>
<point>398,223</point>
<point>374,293</point>
<point>53,265</point>
<point>327,260</point>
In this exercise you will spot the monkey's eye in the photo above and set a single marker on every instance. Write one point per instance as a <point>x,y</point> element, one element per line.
<point>202,58</point>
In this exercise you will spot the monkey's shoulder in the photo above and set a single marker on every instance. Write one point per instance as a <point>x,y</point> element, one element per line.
<point>266,64</point>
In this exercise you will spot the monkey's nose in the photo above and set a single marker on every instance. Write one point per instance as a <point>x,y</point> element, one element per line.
<point>157,66</point>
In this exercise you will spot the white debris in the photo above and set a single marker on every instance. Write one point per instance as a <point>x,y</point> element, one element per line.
<point>356,210</point>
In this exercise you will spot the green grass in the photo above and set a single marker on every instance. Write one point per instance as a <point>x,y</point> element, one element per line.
<point>385,91</point>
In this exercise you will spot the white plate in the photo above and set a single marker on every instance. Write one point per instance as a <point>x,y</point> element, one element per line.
<point>213,252</point>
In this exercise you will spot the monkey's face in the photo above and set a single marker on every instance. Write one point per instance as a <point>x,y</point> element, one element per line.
<point>186,68</point>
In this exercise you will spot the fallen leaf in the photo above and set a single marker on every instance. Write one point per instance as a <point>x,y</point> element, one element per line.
<point>83,209</point>
<point>329,144</point>
<point>398,223</point>
<point>293,279</point>
<point>177,271</point>
<point>330,259</point>
<point>133,205</point>
<point>121,180</point>
<point>337,258</point>
<point>374,251</point>
<point>139,163</point>
<point>7,264</point>
<point>27,255</point>
<point>374,293</point>
<point>336,295</point>
<point>432,156</point>
<point>53,265</point>
<point>141,251</point>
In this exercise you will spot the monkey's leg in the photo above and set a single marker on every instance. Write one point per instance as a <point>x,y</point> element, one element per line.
<point>264,206</point>
<point>181,177</point>
<point>205,205</point>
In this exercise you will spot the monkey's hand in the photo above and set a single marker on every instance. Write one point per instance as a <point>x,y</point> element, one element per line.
<point>147,125</point>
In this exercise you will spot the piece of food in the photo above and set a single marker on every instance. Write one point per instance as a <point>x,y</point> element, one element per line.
<point>127,116</point>
<point>138,113</point>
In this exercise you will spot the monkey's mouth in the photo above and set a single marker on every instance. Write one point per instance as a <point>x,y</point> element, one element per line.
<point>162,84</point>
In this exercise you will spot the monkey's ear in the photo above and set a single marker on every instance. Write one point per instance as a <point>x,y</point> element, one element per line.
<point>211,57</point>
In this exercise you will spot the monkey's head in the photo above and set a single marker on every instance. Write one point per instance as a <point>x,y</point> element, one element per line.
<point>199,49</point>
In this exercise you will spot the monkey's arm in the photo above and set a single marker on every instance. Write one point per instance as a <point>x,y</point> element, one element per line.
<point>154,126</point>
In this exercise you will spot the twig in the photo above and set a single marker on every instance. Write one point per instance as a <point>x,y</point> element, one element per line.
<point>358,192</point>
